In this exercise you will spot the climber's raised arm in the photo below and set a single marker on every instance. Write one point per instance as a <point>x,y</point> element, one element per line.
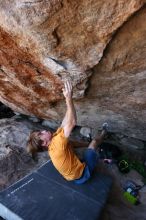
<point>69,120</point>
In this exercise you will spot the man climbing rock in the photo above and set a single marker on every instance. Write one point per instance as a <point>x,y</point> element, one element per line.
<point>61,153</point>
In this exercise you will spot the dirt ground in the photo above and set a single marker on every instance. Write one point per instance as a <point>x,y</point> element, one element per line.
<point>117,208</point>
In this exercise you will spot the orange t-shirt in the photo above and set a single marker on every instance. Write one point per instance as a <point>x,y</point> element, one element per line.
<point>63,157</point>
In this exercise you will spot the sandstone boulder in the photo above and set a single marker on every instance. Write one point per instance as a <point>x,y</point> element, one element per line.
<point>45,42</point>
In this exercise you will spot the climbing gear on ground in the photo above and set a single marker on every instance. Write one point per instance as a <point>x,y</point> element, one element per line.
<point>123,166</point>
<point>131,192</point>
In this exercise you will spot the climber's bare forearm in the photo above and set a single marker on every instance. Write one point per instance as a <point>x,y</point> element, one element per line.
<point>71,113</point>
<point>69,120</point>
<point>70,116</point>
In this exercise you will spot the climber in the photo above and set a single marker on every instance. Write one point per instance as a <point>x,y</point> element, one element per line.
<point>59,148</point>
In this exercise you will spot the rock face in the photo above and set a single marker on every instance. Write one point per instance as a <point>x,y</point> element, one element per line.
<point>15,162</point>
<point>44,42</point>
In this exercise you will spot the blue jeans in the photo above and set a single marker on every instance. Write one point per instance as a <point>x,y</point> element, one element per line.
<point>91,158</point>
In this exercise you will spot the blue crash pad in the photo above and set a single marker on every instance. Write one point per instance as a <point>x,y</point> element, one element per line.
<point>45,195</point>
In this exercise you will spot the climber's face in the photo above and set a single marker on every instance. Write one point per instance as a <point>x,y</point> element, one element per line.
<point>46,137</point>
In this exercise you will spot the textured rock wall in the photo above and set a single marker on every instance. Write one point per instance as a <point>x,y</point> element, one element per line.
<point>119,80</point>
<point>99,45</point>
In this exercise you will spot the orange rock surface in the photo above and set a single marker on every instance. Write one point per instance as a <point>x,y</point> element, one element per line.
<point>99,45</point>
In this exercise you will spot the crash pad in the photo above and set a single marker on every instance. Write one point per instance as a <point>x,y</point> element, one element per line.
<point>46,195</point>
